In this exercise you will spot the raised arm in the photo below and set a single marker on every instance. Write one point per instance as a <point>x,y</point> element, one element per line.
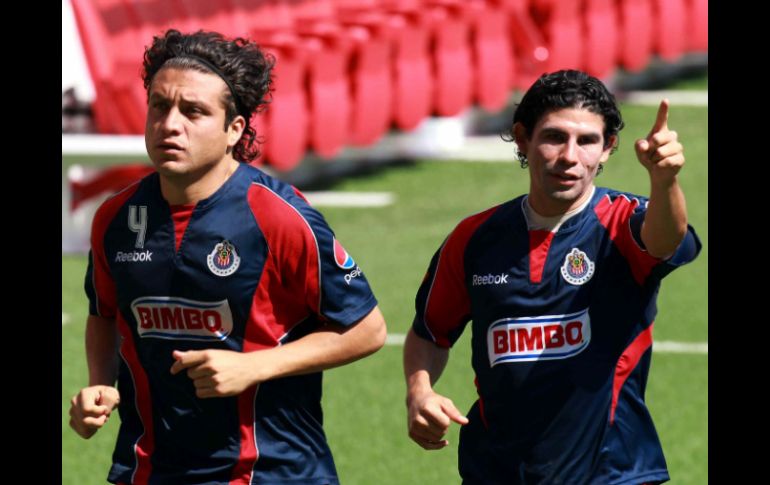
<point>665,223</point>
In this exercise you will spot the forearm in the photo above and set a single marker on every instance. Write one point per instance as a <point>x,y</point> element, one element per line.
<point>423,364</point>
<point>101,351</point>
<point>320,350</point>
<point>665,223</point>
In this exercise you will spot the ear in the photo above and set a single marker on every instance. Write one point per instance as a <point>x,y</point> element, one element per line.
<point>606,152</point>
<point>520,137</point>
<point>235,130</point>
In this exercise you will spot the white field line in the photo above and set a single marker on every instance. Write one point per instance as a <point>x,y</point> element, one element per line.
<point>65,319</point>
<point>349,199</point>
<point>677,98</point>
<point>681,347</point>
<point>661,346</point>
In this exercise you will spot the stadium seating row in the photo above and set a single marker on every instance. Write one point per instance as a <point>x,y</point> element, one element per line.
<point>350,70</point>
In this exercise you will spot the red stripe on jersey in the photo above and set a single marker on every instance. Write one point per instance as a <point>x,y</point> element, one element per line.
<point>273,312</point>
<point>104,287</point>
<point>481,403</point>
<point>448,305</point>
<point>181,215</point>
<point>249,452</point>
<point>145,446</point>
<point>539,243</point>
<point>289,289</point>
<point>616,217</point>
<point>288,292</point>
<point>300,194</point>
<point>627,363</point>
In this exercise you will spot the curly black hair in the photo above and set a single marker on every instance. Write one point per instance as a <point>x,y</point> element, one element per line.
<point>566,89</point>
<point>244,67</point>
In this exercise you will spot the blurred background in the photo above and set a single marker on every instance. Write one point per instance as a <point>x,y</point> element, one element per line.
<point>387,114</point>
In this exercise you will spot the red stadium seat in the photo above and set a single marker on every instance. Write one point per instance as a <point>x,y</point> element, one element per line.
<point>560,21</point>
<point>601,37</point>
<point>492,52</point>
<point>284,125</point>
<point>210,15</point>
<point>698,25</point>
<point>328,54</point>
<point>288,116</point>
<point>413,82</point>
<point>157,17</point>
<point>113,49</point>
<point>636,33</point>
<point>669,35</point>
<point>370,71</point>
<point>529,46</point>
<point>454,73</point>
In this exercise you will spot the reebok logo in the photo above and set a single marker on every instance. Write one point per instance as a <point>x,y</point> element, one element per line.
<point>489,279</point>
<point>133,256</point>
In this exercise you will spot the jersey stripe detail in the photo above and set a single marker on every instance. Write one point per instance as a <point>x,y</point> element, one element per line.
<point>448,305</point>
<point>104,287</point>
<point>481,403</point>
<point>275,308</point>
<point>627,363</point>
<point>243,471</point>
<point>615,216</point>
<point>181,215</point>
<point>287,230</point>
<point>539,243</point>
<point>145,445</point>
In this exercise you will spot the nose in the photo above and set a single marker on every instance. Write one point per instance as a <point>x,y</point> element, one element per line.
<point>172,121</point>
<point>570,152</point>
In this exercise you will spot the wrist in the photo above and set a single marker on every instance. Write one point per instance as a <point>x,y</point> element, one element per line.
<point>416,390</point>
<point>258,368</point>
<point>663,180</point>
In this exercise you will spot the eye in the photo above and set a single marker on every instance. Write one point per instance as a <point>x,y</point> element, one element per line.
<point>159,105</point>
<point>554,137</point>
<point>588,140</point>
<point>194,111</point>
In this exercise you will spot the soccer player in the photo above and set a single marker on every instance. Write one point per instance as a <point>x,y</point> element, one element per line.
<point>217,294</point>
<point>560,285</point>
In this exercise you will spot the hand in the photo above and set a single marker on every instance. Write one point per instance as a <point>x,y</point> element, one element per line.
<point>216,373</point>
<point>91,407</point>
<point>660,152</point>
<point>429,416</point>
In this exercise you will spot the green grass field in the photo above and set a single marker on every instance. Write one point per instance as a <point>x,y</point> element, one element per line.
<point>365,416</point>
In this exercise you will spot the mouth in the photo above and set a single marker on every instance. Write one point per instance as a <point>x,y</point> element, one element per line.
<point>169,147</point>
<point>565,177</point>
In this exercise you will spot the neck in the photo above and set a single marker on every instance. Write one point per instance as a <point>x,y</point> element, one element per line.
<point>193,187</point>
<point>547,207</point>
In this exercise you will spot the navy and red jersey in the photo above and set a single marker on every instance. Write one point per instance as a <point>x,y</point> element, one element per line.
<point>251,267</point>
<point>561,341</point>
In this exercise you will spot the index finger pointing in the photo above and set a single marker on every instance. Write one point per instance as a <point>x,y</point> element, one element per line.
<point>661,121</point>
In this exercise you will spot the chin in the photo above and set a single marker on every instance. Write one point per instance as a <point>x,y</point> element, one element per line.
<point>170,167</point>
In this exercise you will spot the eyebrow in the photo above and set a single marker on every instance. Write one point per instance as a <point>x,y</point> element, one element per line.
<point>558,131</point>
<point>195,101</point>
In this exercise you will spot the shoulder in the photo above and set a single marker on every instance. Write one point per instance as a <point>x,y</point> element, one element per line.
<point>611,197</point>
<point>610,204</point>
<point>479,223</point>
<point>112,206</point>
<point>280,209</point>
<point>487,218</point>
